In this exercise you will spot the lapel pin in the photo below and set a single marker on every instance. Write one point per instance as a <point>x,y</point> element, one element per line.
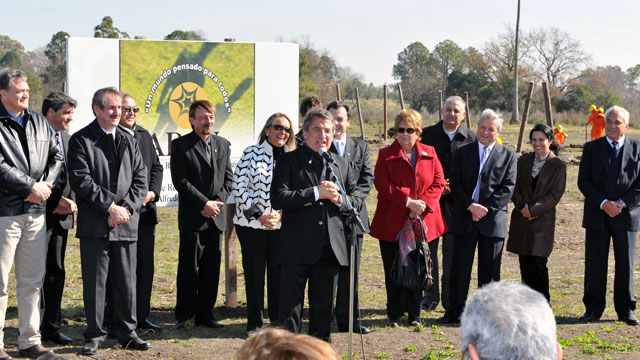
<point>424,153</point>
<point>309,161</point>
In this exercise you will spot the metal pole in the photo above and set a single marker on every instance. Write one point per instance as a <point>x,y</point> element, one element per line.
<point>514,111</point>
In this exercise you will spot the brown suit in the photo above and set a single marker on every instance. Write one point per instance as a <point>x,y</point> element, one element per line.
<point>535,237</point>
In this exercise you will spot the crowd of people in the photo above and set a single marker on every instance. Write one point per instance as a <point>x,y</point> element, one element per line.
<point>300,200</point>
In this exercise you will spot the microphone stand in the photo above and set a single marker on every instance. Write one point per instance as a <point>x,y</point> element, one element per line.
<point>354,218</point>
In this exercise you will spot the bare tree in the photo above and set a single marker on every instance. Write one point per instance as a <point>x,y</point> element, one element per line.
<point>499,54</point>
<point>559,56</point>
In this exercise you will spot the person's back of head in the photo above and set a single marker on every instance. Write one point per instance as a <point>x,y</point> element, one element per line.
<point>503,321</point>
<point>279,344</point>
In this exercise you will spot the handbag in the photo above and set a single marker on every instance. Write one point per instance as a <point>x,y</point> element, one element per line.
<point>412,271</point>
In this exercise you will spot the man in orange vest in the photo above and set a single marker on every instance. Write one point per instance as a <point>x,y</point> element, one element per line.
<point>559,134</point>
<point>596,119</point>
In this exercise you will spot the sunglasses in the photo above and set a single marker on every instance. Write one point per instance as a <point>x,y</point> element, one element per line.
<point>131,109</point>
<point>280,127</point>
<point>409,131</point>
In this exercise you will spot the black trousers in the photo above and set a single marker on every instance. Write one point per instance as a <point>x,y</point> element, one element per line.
<point>489,260</point>
<point>399,300</point>
<point>596,260</point>
<point>535,274</point>
<point>144,269</point>
<point>342,296</point>
<point>198,274</point>
<point>259,250</point>
<point>53,284</point>
<point>321,276</point>
<point>101,258</point>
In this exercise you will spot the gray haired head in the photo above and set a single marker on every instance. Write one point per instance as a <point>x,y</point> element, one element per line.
<point>509,321</point>
<point>491,115</point>
<point>619,109</point>
<point>454,98</point>
<point>317,112</point>
<point>7,76</point>
<point>99,99</point>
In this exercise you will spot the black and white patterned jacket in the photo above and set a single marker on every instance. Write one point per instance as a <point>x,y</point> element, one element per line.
<point>251,184</point>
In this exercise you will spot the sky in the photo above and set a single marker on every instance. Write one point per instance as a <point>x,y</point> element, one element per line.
<point>365,36</point>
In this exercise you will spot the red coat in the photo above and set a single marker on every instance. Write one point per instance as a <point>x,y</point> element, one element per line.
<point>395,180</point>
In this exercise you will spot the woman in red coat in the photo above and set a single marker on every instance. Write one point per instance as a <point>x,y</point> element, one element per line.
<point>409,180</point>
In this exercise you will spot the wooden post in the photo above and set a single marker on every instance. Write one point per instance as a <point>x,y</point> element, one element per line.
<point>401,96</point>
<point>525,116</point>
<point>384,134</point>
<point>230,260</point>
<point>360,114</point>
<point>466,104</point>
<point>338,95</point>
<point>440,108</point>
<point>547,104</point>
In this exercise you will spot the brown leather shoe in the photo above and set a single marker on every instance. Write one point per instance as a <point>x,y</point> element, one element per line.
<point>4,355</point>
<point>34,352</point>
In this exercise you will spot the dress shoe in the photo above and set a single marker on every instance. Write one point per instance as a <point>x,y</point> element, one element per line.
<point>448,318</point>
<point>588,316</point>
<point>4,355</point>
<point>135,343</point>
<point>35,351</point>
<point>630,319</point>
<point>58,338</point>
<point>211,324</point>
<point>393,323</point>
<point>148,325</point>
<point>90,347</point>
<point>356,328</point>
<point>414,323</point>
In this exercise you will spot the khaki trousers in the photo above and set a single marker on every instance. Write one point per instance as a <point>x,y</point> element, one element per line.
<point>23,238</point>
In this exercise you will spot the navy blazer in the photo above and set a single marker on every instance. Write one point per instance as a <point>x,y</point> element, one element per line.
<point>498,179</point>
<point>356,153</point>
<point>592,178</point>
<point>301,234</point>
<point>198,179</point>
<point>61,188</point>
<point>98,182</point>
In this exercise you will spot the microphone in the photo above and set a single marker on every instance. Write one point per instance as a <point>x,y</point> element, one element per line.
<point>325,155</point>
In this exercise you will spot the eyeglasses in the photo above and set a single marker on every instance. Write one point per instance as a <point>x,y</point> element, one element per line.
<point>280,127</point>
<point>131,109</point>
<point>409,131</point>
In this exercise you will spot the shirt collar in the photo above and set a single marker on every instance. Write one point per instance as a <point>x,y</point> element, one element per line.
<point>620,141</point>
<point>19,120</point>
<point>480,146</point>
<point>451,134</point>
<point>110,133</point>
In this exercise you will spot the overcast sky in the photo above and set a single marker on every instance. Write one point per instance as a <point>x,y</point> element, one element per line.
<point>363,35</point>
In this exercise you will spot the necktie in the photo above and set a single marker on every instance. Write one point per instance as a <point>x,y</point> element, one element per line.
<point>60,146</point>
<point>615,147</point>
<point>483,160</point>
<point>341,148</point>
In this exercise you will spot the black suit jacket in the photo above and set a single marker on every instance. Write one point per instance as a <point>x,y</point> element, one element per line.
<point>435,136</point>
<point>199,179</point>
<point>100,176</point>
<point>302,232</point>
<point>61,188</point>
<point>149,213</point>
<point>592,178</point>
<point>498,179</point>
<point>356,153</point>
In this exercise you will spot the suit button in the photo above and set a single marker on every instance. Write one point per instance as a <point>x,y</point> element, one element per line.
<point>320,222</point>
<point>320,202</point>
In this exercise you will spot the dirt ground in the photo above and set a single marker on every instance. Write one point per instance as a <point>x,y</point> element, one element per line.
<point>606,339</point>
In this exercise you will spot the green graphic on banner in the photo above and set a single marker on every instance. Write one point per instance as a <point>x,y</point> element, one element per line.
<point>165,77</point>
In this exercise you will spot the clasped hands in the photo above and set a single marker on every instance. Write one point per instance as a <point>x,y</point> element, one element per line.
<point>65,206</point>
<point>416,207</point>
<point>118,215</point>
<point>330,191</point>
<point>39,192</point>
<point>612,208</point>
<point>270,219</point>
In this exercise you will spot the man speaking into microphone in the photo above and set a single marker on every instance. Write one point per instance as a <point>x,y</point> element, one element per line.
<point>312,237</point>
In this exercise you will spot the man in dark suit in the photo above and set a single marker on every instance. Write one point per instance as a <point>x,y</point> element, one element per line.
<point>356,153</point>
<point>312,237</point>
<point>148,212</point>
<point>609,178</point>
<point>482,182</point>
<point>446,137</point>
<point>110,181</point>
<point>201,173</point>
<point>58,109</point>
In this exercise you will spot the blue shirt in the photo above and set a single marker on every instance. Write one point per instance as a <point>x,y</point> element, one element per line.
<point>19,120</point>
